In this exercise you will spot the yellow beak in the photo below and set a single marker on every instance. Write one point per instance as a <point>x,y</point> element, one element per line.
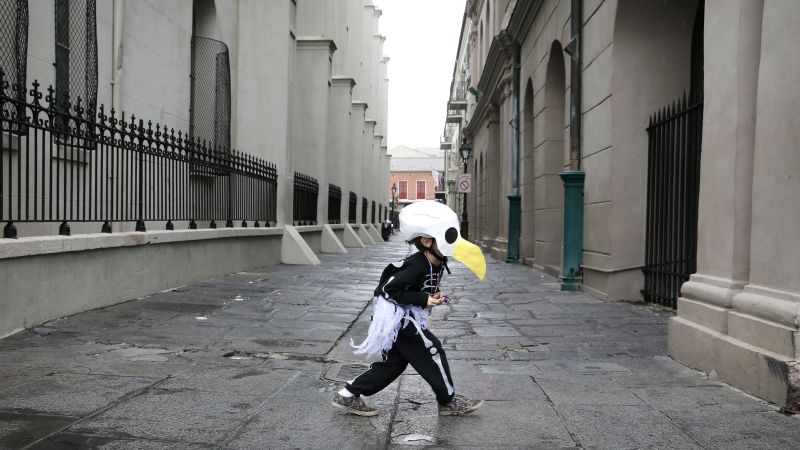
<point>471,256</point>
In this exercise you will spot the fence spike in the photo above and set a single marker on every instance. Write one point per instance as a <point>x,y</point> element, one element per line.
<point>35,93</point>
<point>50,99</point>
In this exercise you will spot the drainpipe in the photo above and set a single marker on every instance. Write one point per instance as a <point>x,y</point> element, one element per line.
<point>571,275</point>
<point>514,207</point>
<point>116,79</point>
<point>116,70</point>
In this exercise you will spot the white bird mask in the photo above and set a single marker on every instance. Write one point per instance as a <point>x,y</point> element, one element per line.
<point>435,220</point>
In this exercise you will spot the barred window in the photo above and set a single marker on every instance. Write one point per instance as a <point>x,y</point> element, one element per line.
<point>13,53</point>
<point>76,55</point>
<point>210,115</point>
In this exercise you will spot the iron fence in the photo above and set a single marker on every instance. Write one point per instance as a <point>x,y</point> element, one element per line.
<point>364,208</point>
<point>334,204</point>
<point>352,206</point>
<point>673,182</point>
<point>73,166</point>
<point>306,191</point>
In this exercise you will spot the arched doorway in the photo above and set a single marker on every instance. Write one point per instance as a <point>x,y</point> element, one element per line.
<point>527,239</point>
<point>548,163</point>
<point>656,134</point>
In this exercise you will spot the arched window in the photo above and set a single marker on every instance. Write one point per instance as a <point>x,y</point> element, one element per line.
<point>210,102</point>
<point>13,57</point>
<point>76,55</point>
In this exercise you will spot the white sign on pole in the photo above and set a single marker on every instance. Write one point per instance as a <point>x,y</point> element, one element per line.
<point>464,183</point>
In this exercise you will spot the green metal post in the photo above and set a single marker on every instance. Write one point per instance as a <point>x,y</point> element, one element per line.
<point>573,230</point>
<point>513,228</point>
<point>514,205</point>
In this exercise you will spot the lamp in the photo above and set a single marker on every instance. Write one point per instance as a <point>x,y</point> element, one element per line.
<point>465,151</point>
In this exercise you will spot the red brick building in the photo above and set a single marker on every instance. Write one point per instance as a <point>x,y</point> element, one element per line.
<point>418,174</point>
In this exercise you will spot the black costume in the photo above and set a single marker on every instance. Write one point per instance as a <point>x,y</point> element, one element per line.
<point>405,287</point>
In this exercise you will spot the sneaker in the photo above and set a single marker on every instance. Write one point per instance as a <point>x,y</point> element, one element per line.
<point>460,406</point>
<point>353,405</point>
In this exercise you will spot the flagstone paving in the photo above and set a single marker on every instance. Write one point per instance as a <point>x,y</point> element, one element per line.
<point>251,360</point>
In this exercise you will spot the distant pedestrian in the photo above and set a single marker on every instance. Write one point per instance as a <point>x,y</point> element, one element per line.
<point>386,229</point>
<point>407,292</point>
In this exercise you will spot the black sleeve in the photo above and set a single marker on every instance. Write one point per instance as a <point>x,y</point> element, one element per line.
<point>401,287</point>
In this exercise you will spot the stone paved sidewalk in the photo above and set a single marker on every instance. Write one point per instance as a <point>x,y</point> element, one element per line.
<point>251,360</point>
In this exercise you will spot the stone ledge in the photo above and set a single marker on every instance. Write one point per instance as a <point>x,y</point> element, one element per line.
<point>752,369</point>
<point>704,314</point>
<point>46,245</point>
<point>769,304</point>
<point>713,290</point>
<point>308,228</point>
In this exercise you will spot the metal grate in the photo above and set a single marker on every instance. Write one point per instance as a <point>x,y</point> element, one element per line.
<point>76,61</point>
<point>352,206</point>
<point>210,103</point>
<point>13,54</point>
<point>345,372</point>
<point>334,204</point>
<point>306,191</point>
<point>673,184</point>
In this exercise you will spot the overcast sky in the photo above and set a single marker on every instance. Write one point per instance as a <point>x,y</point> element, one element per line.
<point>421,40</point>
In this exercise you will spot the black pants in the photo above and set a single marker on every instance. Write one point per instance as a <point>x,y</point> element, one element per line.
<point>424,354</point>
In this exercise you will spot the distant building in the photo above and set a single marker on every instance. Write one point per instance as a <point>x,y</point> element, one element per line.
<point>417,173</point>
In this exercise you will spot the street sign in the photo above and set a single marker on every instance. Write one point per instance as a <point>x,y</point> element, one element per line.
<point>464,183</point>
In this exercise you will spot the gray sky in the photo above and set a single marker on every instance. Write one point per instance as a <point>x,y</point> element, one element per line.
<point>421,40</point>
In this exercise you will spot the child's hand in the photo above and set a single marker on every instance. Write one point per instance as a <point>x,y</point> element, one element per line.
<point>433,301</point>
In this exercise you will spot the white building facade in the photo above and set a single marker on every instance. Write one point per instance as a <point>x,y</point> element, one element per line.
<point>651,149</point>
<point>236,120</point>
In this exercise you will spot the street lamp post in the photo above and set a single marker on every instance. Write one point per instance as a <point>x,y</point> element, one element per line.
<point>394,203</point>
<point>465,150</point>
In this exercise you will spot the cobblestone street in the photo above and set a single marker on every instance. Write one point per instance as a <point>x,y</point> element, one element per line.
<point>251,360</point>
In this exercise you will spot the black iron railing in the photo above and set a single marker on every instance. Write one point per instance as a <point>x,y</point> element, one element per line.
<point>364,208</point>
<point>334,204</point>
<point>673,182</point>
<point>352,206</point>
<point>306,191</point>
<point>71,166</point>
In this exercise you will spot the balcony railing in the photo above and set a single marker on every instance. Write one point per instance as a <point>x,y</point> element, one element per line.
<point>458,95</point>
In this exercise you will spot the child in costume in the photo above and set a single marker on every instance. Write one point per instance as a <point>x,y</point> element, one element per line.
<point>407,292</point>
